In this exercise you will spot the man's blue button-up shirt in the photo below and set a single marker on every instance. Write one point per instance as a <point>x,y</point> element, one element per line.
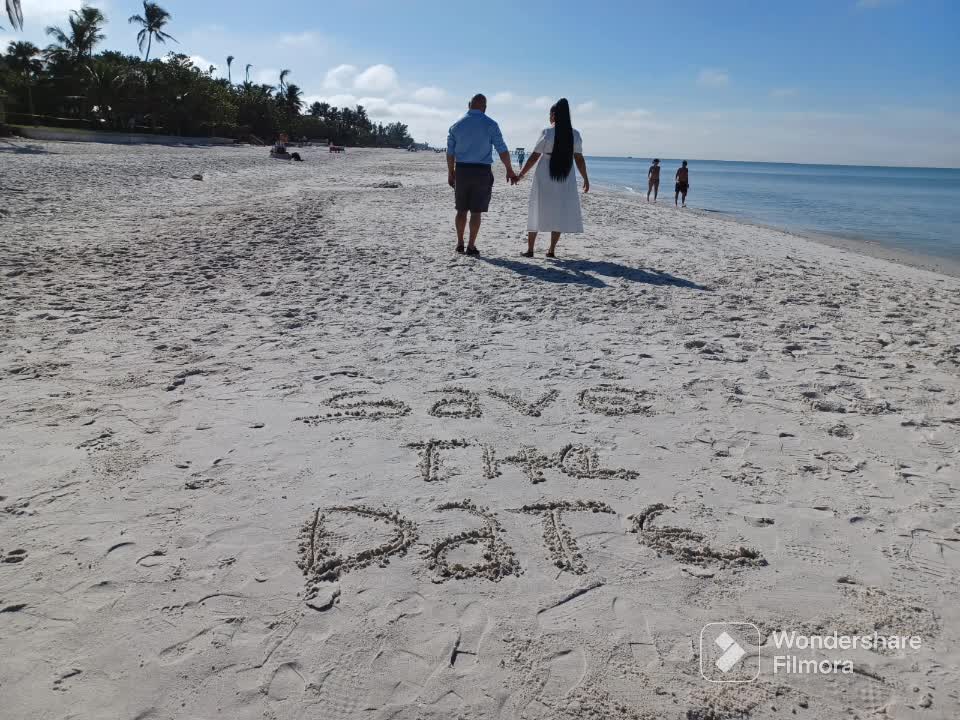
<point>471,137</point>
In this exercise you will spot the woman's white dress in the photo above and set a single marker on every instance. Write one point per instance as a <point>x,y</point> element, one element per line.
<point>554,206</point>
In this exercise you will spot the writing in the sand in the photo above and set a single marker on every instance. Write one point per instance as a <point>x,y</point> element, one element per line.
<point>454,402</point>
<point>323,560</point>
<point>484,551</point>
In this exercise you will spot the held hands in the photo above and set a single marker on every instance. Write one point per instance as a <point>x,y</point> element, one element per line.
<point>512,177</point>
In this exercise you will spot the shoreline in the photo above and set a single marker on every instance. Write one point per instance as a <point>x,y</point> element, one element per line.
<point>860,246</point>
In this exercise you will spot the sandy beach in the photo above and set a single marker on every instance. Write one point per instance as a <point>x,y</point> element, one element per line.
<point>270,449</point>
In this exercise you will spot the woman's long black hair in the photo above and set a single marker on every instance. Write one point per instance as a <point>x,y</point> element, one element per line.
<point>561,161</point>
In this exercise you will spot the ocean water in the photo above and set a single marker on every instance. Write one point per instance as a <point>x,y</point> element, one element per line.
<point>911,209</point>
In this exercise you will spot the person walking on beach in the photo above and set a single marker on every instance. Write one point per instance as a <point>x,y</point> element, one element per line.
<point>653,180</point>
<point>683,184</point>
<point>554,199</point>
<point>468,168</point>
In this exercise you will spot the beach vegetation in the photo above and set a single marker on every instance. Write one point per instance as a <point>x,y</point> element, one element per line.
<point>73,83</point>
<point>151,23</point>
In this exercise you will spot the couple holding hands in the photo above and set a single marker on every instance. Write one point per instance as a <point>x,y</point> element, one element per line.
<point>554,198</point>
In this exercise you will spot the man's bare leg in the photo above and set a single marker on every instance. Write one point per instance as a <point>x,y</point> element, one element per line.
<point>656,191</point>
<point>461,223</point>
<point>649,190</point>
<point>684,199</point>
<point>676,195</point>
<point>475,219</point>
<point>554,239</point>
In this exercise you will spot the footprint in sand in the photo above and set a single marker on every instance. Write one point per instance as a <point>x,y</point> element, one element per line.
<point>13,557</point>
<point>286,682</point>
<point>566,671</point>
<point>473,626</point>
<point>339,694</point>
<point>197,643</point>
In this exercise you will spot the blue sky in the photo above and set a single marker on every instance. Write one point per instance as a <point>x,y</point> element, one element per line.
<point>847,81</point>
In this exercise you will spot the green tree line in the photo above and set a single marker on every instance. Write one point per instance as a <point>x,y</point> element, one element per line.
<point>69,83</point>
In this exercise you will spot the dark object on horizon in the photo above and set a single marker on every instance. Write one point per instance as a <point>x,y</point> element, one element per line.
<point>337,148</point>
<point>277,155</point>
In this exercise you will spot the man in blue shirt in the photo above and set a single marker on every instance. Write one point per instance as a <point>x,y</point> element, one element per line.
<point>468,166</point>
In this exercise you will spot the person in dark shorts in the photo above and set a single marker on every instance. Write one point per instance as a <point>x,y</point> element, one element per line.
<point>653,180</point>
<point>683,184</point>
<point>469,172</point>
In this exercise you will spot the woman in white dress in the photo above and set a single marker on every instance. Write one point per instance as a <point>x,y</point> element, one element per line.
<point>554,197</point>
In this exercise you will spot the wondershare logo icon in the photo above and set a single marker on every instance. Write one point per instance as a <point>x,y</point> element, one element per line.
<point>730,652</point>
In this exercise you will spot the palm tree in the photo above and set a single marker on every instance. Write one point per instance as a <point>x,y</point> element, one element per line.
<point>230,59</point>
<point>105,81</point>
<point>247,79</point>
<point>15,13</point>
<point>22,57</point>
<point>86,30</point>
<point>284,74</point>
<point>152,22</point>
<point>291,99</point>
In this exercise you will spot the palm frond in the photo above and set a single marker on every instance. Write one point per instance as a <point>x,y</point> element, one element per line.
<point>15,13</point>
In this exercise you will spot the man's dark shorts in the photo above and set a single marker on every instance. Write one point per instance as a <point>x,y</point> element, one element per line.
<point>682,187</point>
<point>474,187</point>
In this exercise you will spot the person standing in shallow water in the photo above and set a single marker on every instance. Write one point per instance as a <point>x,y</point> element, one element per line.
<point>554,199</point>
<point>683,184</point>
<point>468,168</point>
<point>653,180</point>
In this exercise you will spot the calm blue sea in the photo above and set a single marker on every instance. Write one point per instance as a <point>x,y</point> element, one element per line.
<point>912,209</point>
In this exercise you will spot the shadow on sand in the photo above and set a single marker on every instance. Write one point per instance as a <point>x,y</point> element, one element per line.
<point>586,272</point>
<point>9,147</point>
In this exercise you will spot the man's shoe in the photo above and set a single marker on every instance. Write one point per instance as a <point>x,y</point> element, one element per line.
<point>460,249</point>
<point>473,251</point>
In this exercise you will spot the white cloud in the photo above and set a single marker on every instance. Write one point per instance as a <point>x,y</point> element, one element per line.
<point>503,98</point>
<point>542,102</point>
<point>430,95</point>
<point>202,63</point>
<point>38,14</point>
<point>377,78</point>
<point>340,77</point>
<point>586,107</point>
<point>713,78</point>
<point>338,100</point>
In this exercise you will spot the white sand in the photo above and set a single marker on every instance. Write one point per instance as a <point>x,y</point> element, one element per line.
<point>165,342</point>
